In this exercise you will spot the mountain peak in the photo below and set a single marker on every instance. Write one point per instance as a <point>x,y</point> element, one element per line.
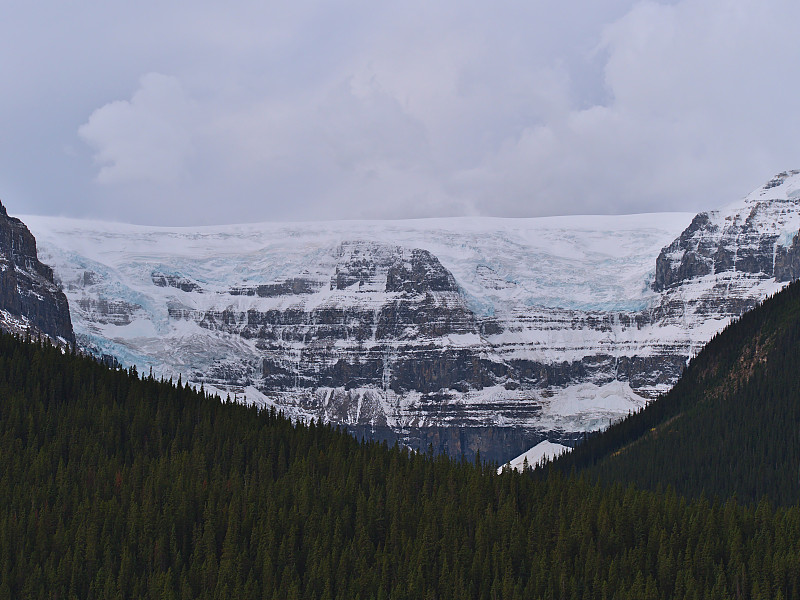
<point>787,181</point>
<point>756,235</point>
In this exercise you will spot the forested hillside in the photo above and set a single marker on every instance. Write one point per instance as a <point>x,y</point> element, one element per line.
<point>113,486</point>
<point>729,428</point>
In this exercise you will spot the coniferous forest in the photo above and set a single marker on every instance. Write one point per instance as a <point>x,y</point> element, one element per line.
<point>114,485</point>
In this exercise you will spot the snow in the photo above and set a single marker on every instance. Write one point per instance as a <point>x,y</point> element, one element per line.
<point>778,199</point>
<point>506,268</point>
<point>588,406</point>
<point>542,452</point>
<point>137,329</point>
<point>596,262</point>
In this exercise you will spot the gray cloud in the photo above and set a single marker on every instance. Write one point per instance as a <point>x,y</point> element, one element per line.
<point>193,113</point>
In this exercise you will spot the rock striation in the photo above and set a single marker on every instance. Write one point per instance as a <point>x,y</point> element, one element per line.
<point>30,301</point>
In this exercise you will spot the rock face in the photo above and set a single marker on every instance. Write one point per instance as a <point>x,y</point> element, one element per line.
<point>757,236</point>
<point>30,301</point>
<point>465,334</point>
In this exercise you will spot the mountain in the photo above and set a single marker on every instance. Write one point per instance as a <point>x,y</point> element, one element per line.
<point>30,301</point>
<point>506,328</point>
<point>467,334</point>
<point>731,425</point>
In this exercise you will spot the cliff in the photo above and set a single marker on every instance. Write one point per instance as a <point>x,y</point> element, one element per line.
<point>30,301</point>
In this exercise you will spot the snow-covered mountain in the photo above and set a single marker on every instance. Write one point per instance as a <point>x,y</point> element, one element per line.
<point>510,329</point>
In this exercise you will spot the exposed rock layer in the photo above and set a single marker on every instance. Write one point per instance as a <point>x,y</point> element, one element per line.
<point>30,301</point>
<point>749,238</point>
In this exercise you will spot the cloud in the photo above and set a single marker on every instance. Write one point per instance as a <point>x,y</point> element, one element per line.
<point>149,138</point>
<point>698,111</point>
<point>427,109</point>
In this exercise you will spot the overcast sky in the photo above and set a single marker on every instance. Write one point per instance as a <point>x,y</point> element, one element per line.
<point>195,112</point>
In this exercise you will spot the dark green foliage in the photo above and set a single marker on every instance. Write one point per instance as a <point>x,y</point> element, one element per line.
<point>729,428</point>
<point>113,486</point>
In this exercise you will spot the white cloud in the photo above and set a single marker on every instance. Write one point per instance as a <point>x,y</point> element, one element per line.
<point>146,139</point>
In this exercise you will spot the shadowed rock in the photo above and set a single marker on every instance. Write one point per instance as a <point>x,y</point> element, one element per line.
<point>29,298</point>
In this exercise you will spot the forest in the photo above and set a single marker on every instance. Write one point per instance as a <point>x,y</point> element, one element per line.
<point>115,485</point>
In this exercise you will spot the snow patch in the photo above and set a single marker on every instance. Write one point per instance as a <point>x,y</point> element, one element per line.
<point>589,407</point>
<point>542,452</point>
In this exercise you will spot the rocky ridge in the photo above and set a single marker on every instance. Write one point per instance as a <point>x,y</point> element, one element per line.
<point>30,301</point>
<point>756,236</point>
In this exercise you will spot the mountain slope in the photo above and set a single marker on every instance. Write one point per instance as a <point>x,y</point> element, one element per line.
<point>729,427</point>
